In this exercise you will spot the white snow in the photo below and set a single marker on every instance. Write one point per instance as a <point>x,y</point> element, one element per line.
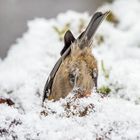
<point>24,71</point>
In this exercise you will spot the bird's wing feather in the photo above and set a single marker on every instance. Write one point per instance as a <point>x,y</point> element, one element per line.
<point>88,33</point>
<point>93,25</point>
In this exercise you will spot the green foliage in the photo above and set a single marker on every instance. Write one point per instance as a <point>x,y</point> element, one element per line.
<point>105,90</point>
<point>112,18</point>
<point>109,87</point>
<point>61,32</point>
<point>104,70</point>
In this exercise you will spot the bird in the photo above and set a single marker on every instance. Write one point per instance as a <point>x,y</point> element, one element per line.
<point>77,67</point>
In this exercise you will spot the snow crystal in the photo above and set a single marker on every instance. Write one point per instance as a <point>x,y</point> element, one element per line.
<point>25,69</point>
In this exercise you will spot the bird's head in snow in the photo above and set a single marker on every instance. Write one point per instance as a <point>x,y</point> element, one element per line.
<point>77,67</point>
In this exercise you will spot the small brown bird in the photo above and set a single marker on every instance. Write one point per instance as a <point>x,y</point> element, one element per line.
<point>77,67</point>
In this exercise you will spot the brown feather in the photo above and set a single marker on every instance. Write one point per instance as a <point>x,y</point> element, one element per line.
<point>84,61</point>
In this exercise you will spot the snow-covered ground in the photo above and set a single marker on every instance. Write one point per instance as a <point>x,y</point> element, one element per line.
<point>24,72</point>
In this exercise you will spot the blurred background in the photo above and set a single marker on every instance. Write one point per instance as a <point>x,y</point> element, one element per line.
<point>14,15</point>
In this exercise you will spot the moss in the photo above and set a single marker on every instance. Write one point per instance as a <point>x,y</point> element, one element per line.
<point>104,90</point>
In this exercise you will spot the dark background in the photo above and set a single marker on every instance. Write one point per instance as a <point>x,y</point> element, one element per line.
<point>15,13</point>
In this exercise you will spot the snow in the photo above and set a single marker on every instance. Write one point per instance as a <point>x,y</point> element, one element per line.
<point>24,71</point>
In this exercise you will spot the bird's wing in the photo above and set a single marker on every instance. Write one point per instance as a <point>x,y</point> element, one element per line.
<point>48,85</point>
<point>93,25</point>
<point>69,39</point>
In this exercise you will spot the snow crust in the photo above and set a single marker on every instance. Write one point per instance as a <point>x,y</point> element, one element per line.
<point>24,71</point>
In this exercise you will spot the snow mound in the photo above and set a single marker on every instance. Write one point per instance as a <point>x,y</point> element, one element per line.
<point>23,73</point>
